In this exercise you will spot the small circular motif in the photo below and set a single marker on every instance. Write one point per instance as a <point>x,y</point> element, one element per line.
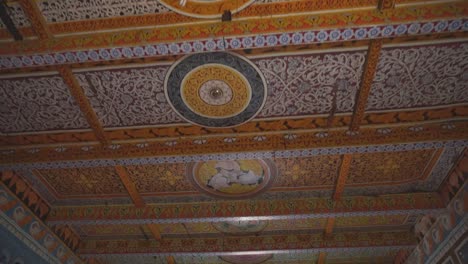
<point>210,97</point>
<point>215,92</point>
<point>215,89</point>
<point>232,178</point>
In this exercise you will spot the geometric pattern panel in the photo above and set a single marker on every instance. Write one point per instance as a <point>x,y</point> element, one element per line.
<point>420,76</point>
<point>62,11</point>
<point>37,104</point>
<point>311,84</point>
<point>128,97</point>
<point>363,221</point>
<point>91,231</point>
<point>312,172</point>
<point>388,167</point>
<point>83,181</point>
<point>296,224</point>
<point>160,178</point>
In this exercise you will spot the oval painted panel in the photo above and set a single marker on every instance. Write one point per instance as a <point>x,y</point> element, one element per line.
<point>232,178</point>
<point>240,227</point>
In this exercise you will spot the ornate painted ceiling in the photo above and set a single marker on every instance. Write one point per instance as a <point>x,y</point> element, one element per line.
<point>234,131</point>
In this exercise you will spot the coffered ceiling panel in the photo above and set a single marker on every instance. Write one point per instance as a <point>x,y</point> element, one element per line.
<point>160,178</point>
<point>83,181</point>
<point>168,131</point>
<point>297,85</point>
<point>388,168</point>
<point>128,97</point>
<point>38,104</point>
<point>421,76</point>
<point>312,172</point>
<point>311,83</point>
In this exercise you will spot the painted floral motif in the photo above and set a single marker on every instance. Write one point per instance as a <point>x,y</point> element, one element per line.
<point>388,167</point>
<point>128,97</point>
<point>311,84</point>
<point>160,178</point>
<point>37,104</point>
<point>61,11</point>
<point>83,181</point>
<point>296,224</point>
<point>317,171</point>
<point>421,76</point>
<point>378,220</point>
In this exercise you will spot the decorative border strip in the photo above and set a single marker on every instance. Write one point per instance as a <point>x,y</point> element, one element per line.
<point>24,237</point>
<point>440,233</point>
<point>237,156</point>
<point>454,235</point>
<point>234,43</point>
<point>444,113</point>
<point>8,210</point>
<point>266,209</point>
<point>356,250</point>
<point>242,218</point>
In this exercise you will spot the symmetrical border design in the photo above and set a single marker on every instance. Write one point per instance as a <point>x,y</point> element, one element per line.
<point>447,229</point>
<point>245,210</point>
<point>41,237</point>
<point>56,57</point>
<point>447,135</point>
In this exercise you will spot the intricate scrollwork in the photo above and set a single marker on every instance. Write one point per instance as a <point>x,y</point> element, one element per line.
<point>420,76</point>
<point>38,103</point>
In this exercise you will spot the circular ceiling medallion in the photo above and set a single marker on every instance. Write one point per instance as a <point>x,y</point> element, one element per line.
<point>205,8</point>
<point>232,178</point>
<point>216,89</point>
<point>241,227</point>
<point>247,259</point>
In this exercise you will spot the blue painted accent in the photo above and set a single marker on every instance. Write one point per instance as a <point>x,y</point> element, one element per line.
<point>189,63</point>
<point>13,251</point>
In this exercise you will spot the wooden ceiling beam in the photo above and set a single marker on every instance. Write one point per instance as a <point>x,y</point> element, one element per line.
<point>83,102</point>
<point>130,186</point>
<point>339,188</point>
<point>36,18</point>
<point>136,198</point>
<point>155,231</point>
<point>258,25</point>
<point>321,258</point>
<point>163,147</point>
<point>170,260</point>
<point>367,78</point>
<point>225,245</point>
<point>342,176</point>
<point>329,226</point>
<point>311,208</point>
<point>126,62</point>
<point>265,127</point>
